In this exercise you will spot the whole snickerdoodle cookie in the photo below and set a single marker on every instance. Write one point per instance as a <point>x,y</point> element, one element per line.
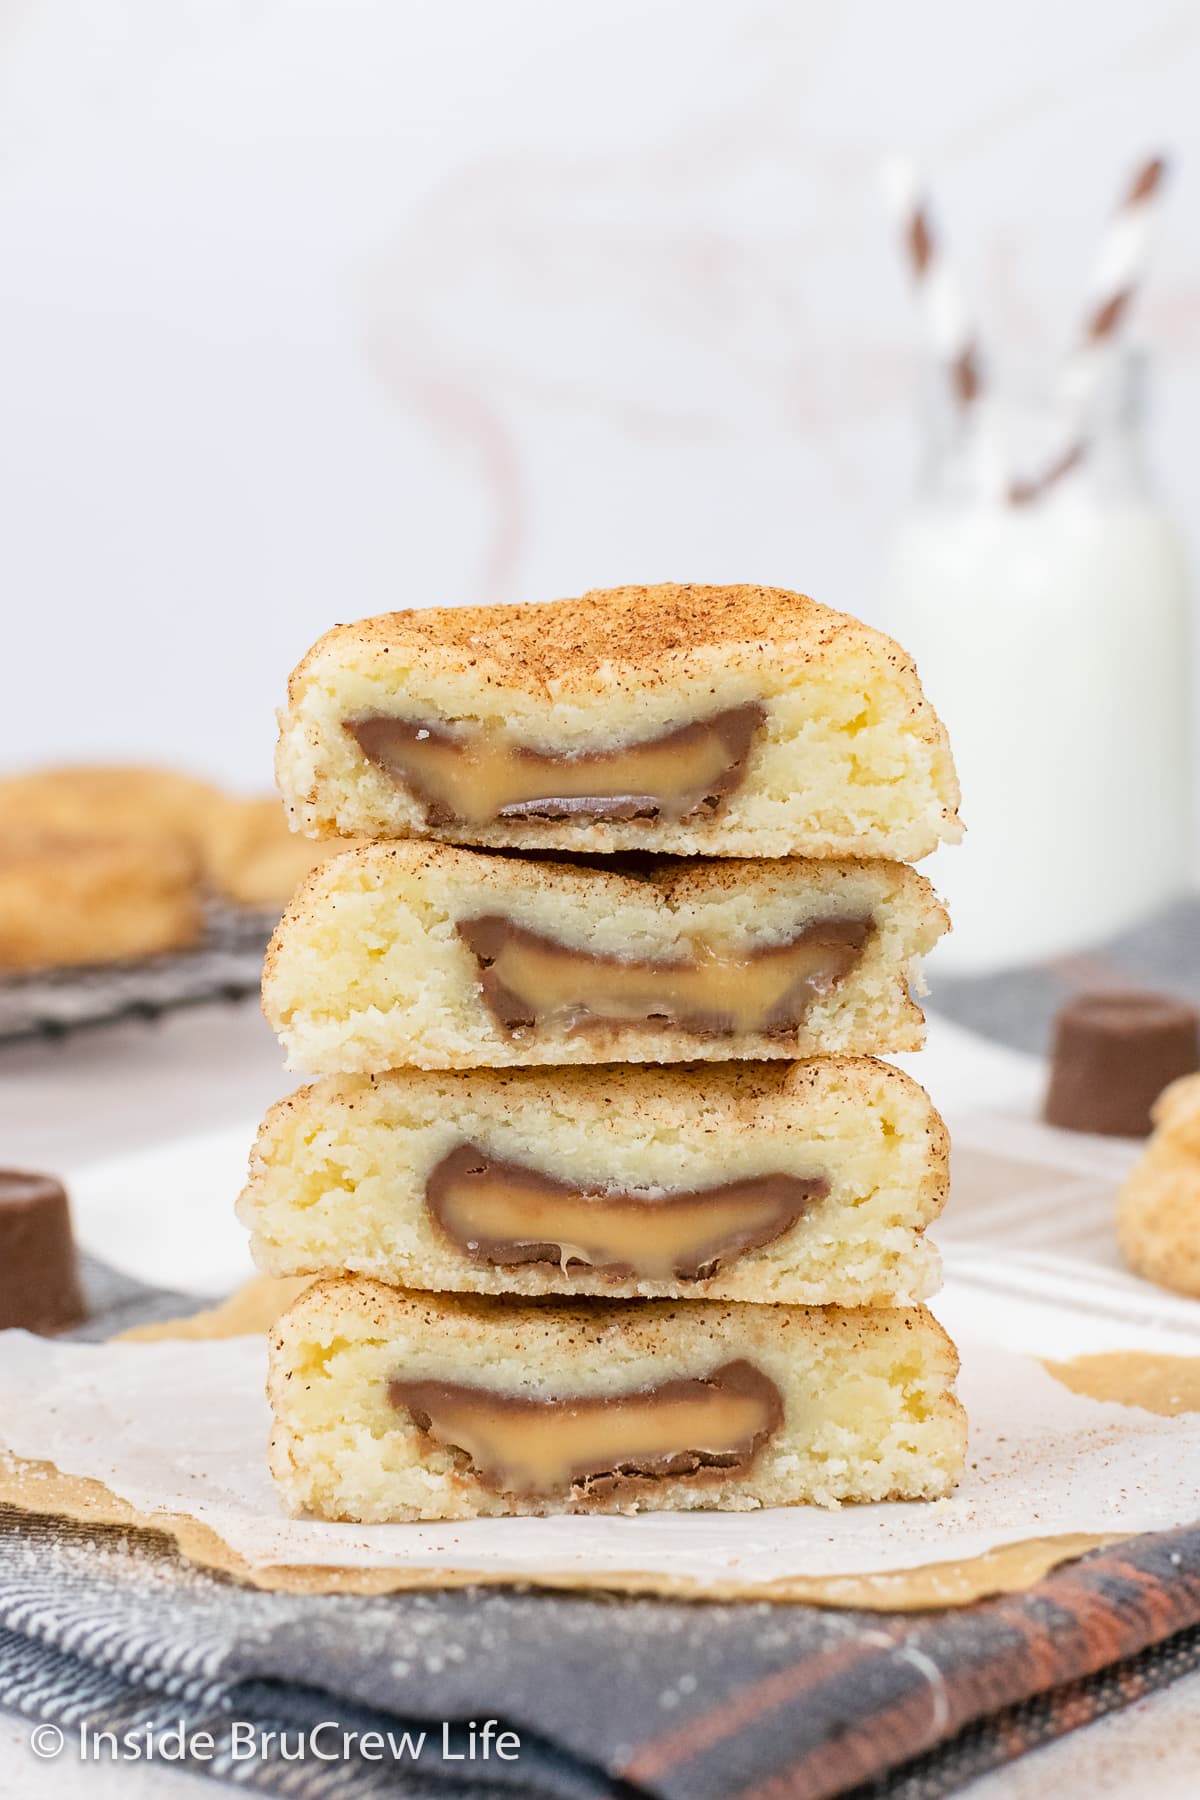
<point>1158,1210</point>
<point>70,898</point>
<point>254,859</point>
<point>112,800</point>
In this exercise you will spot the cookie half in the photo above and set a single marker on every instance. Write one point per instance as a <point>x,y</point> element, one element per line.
<point>427,956</point>
<point>712,721</point>
<point>809,1183</point>
<point>393,1406</point>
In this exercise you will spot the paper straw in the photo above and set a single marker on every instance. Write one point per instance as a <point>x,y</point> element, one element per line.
<point>1119,273</point>
<point>948,321</point>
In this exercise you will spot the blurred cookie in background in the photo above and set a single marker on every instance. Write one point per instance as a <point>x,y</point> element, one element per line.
<point>117,800</point>
<point>68,898</point>
<point>1158,1209</point>
<point>255,860</point>
<point>111,863</point>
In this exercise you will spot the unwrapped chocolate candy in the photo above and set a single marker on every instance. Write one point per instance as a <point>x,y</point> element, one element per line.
<point>39,1269</point>
<point>1114,1053</point>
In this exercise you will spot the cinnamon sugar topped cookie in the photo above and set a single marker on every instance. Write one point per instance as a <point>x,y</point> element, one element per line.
<point>806,1182</point>
<point>430,956</point>
<point>393,1405</point>
<point>718,721</point>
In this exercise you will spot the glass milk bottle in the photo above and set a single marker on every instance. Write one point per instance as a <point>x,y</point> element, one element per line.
<point>1052,633</point>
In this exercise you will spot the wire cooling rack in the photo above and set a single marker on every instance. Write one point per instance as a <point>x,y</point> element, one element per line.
<point>225,965</point>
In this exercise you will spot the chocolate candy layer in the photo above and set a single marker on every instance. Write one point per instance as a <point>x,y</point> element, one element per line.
<point>475,776</point>
<point>501,1212</point>
<point>39,1270</point>
<point>529,978</point>
<point>1114,1053</point>
<point>693,1429</point>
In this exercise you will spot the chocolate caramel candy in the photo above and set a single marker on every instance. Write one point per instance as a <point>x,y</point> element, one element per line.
<point>500,1212</point>
<point>529,978</point>
<point>39,1270</point>
<point>1114,1053</point>
<point>690,1429</point>
<point>476,776</point>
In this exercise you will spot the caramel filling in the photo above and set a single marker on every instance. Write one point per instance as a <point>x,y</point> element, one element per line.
<point>690,1428</point>
<point>476,776</point>
<point>530,979</point>
<point>500,1212</point>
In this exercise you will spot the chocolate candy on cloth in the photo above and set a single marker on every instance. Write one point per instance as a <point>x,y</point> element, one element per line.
<point>39,1268</point>
<point>1114,1053</point>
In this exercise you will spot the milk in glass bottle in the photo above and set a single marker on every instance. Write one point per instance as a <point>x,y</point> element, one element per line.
<point>1049,619</point>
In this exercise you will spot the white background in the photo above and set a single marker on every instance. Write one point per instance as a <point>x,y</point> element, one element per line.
<point>310,308</point>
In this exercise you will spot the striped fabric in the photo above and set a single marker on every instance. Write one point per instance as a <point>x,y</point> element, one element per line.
<point>109,1630</point>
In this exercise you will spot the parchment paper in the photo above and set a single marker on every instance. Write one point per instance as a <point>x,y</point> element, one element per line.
<point>1082,1384</point>
<point>171,1434</point>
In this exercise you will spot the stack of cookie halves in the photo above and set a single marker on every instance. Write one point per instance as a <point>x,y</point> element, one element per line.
<point>614,1206</point>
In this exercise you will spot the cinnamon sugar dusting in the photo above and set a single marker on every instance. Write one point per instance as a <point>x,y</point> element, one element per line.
<point>539,644</point>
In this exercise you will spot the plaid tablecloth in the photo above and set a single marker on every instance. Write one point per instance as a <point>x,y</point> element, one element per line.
<point>613,1698</point>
